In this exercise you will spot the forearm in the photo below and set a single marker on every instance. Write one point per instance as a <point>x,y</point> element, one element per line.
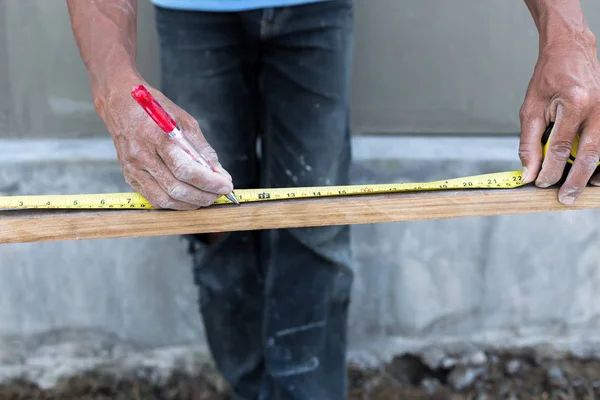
<point>105,33</point>
<point>560,21</point>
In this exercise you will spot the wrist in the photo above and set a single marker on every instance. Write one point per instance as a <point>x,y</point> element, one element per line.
<point>110,86</point>
<point>564,25</point>
<point>568,38</point>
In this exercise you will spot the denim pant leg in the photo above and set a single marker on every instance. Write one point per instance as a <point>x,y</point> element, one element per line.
<point>305,85</point>
<point>296,340</point>
<point>206,69</point>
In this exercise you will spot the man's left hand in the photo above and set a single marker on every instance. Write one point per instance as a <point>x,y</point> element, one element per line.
<point>564,89</point>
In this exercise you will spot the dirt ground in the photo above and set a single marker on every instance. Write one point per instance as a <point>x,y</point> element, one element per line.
<point>496,376</point>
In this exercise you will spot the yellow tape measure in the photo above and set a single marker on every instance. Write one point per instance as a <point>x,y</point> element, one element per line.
<point>498,180</point>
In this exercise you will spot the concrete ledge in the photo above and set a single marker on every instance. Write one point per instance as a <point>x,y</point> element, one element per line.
<point>525,276</point>
<point>364,148</point>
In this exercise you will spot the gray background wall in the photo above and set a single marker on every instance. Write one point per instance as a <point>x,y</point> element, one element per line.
<point>421,66</point>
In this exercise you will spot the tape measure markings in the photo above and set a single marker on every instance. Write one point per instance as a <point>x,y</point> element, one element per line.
<point>499,180</point>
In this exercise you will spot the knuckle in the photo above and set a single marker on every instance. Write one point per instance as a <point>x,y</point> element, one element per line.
<point>135,152</point>
<point>207,200</point>
<point>209,153</point>
<point>190,125</point>
<point>128,179</point>
<point>129,169</point>
<point>163,202</point>
<point>525,152</point>
<point>524,113</point>
<point>182,171</point>
<point>131,180</point>
<point>200,181</point>
<point>193,123</point>
<point>588,159</point>
<point>561,148</point>
<point>177,191</point>
<point>578,96</point>
<point>158,198</point>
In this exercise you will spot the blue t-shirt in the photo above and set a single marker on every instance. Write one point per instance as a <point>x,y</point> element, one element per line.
<point>226,5</point>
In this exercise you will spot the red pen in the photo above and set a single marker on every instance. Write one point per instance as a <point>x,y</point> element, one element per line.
<point>170,127</point>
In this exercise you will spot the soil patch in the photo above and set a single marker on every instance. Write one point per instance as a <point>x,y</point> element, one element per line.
<point>494,375</point>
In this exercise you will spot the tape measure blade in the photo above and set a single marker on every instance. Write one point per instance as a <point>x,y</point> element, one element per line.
<point>508,179</point>
<point>90,201</point>
<point>500,180</point>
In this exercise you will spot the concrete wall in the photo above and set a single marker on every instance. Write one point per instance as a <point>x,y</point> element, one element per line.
<point>45,91</point>
<point>436,67</point>
<point>420,66</point>
<point>500,280</point>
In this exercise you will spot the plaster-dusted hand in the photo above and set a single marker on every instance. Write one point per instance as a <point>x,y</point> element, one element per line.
<point>154,165</point>
<point>564,89</point>
<point>105,33</point>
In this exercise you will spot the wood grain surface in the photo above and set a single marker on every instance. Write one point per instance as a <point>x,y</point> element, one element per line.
<point>51,225</point>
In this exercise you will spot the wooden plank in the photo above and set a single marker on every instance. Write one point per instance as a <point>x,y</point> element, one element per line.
<point>51,225</point>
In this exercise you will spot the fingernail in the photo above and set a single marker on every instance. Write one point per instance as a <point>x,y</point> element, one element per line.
<point>226,190</point>
<point>567,200</point>
<point>595,183</point>
<point>524,175</point>
<point>542,183</point>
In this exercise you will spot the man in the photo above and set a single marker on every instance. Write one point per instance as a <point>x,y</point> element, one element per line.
<point>275,303</point>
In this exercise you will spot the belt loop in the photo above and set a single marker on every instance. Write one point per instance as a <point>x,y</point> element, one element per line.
<point>268,15</point>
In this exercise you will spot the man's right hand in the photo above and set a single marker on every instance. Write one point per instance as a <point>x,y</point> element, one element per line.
<point>105,33</point>
<point>152,164</point>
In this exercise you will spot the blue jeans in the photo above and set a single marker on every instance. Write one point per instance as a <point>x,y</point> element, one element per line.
<point>274,302</point>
